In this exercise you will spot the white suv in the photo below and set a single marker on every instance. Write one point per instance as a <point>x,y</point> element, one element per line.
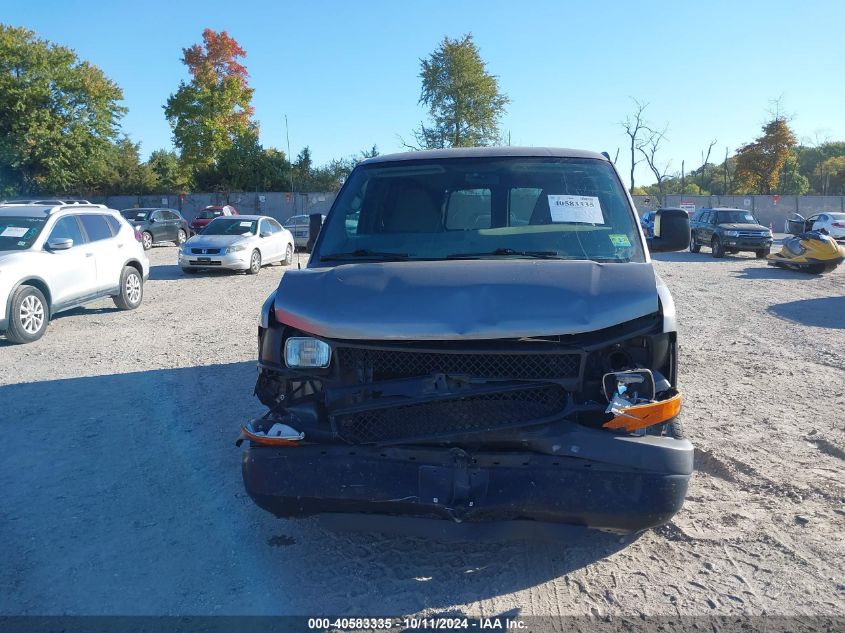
<point>53,258</point>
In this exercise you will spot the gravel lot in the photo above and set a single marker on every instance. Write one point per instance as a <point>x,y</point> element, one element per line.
<point>122,491</point>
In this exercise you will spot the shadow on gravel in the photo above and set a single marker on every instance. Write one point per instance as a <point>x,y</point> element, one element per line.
<point>85,310</point>
<point>771,272</point>
<point>171,272</point>
<point>696,258</point>
<point>826,312</point>
<point>122,494</point>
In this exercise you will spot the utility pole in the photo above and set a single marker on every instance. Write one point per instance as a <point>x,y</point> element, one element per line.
<point>683,186</point>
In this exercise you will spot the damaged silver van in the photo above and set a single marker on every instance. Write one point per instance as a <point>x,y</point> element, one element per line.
<point>479,336</point>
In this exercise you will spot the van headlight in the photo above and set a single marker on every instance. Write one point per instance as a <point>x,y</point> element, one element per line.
<point>303,351</point>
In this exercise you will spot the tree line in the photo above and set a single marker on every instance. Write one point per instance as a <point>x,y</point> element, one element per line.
<point>773,163</point>
<point>60,131</point>
<point>60,128</point>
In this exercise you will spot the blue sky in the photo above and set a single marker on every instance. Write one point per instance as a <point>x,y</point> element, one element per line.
<point>346,73</point>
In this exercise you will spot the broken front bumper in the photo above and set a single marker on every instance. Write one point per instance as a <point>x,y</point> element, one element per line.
<point>581,477</point>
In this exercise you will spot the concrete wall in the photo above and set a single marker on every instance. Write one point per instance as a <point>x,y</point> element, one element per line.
<point>280,205</point>
<point>764,208</point>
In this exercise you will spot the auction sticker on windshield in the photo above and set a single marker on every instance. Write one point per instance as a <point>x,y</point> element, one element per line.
<point>14,231</point>
<point>620,240</point>
<point>581,209</point>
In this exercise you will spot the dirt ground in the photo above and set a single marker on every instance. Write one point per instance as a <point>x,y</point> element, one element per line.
<point>122,493</point>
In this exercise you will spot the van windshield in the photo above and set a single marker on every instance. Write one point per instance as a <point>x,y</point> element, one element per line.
<point>555,208</point>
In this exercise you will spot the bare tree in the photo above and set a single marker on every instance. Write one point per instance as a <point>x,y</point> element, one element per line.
<point>704,161</point>
<point>634,124</point>
<point>649,149</point>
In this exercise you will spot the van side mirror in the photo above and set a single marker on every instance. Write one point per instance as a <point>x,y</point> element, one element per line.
<point>315,223</point>
<point>671,231</point>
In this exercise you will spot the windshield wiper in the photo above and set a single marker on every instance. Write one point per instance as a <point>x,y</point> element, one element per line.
<point>507,252</point>
<point>364,253</point>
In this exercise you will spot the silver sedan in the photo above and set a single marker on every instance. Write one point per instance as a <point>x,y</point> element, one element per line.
<point>243,242</point>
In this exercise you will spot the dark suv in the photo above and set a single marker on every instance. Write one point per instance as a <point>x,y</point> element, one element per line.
<point>479,336</point>
<point>729,231</point>
<point>158,225</point>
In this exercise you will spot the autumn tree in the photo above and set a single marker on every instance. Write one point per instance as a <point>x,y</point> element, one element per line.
<point>212,111</point>
<point>464,101</point>
<point>58,115</point>
<point>759,163</point>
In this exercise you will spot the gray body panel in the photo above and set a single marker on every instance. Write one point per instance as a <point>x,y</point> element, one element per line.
<point>468,300</point>
<point>485,152</point>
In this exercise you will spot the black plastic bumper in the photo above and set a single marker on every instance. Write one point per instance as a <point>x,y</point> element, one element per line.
<point>450,483</point>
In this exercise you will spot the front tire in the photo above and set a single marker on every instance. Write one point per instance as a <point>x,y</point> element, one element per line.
<point>29,315</point>
<point>694,246</point>
<point>254,263</point>
<point>288,255</point>
<point>131,289</point>
<point>181,237</point>
<point>718,251</point>
<point>763,252</point>
<point>147,240</point>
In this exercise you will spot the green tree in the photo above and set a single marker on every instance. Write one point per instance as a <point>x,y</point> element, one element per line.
<point>463,99</point>
<point>58,115</point>
<point>172,175</point>
<point>759,163</point>
<point>791,181</point>
<point>212,111</point>
<point>124,173</point>
<point>830,174</point>
<point>811,157</point>
<point>239,167</point>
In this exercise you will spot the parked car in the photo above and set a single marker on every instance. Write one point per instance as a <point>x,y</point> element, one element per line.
<point>428,365</point>
<point>158,225</point>
<point>54,258</point>
<point>647,222</point>
<point>727,230</point>
<point>829,223</point>
<point>204,217</point>
<point>300,226</point>
<point>245,242</point>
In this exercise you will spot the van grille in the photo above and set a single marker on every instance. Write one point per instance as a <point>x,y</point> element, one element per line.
<point>469,414</point>
<point>379,364</point>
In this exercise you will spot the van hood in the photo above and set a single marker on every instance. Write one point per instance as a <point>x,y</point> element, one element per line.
<point>476,299</point>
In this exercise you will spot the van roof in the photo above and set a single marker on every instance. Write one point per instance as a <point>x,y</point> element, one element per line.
<point>485,152</point>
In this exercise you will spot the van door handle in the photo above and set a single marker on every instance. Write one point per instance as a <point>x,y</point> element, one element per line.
<point>89,254</point>
<point>120,245</point>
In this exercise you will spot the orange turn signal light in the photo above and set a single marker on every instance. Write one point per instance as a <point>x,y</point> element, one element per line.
<point>246,434</point>
<point>641,416</point>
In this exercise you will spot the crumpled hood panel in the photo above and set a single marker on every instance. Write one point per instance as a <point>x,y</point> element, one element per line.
<point>476,299</point>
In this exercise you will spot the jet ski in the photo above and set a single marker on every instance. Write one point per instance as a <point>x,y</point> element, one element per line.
<point>810,252</point>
